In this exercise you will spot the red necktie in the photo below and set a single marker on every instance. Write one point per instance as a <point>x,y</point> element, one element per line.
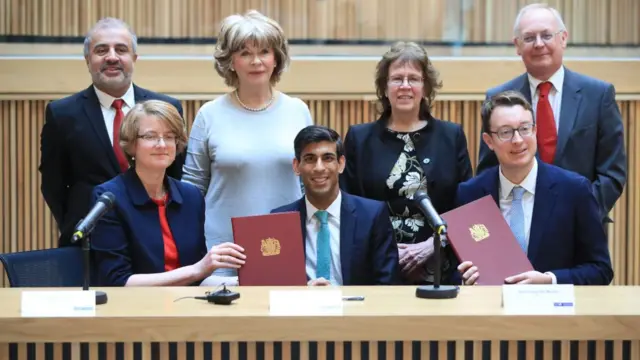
<point>545,124</point>
<point>117,121</point>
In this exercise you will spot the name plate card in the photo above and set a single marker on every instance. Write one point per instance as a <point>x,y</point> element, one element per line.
<point>58,303</point>
<point>312,302</point>
<point>538,299</point>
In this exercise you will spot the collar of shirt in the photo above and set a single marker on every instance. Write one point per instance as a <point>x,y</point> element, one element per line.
<point>106,100</point>
<point>529,182</point>
<point>333,209</point>
<point>557,80</point>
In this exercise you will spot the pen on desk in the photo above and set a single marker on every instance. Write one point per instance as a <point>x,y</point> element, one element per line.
<point>353,298</point>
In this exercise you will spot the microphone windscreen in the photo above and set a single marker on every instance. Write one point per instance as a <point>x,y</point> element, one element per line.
<point>107,198</point>
<point>420,195</point>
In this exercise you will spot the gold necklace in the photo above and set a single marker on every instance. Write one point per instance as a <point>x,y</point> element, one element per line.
<point>255,109</point>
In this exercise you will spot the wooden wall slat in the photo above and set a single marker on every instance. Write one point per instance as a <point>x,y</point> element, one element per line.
<point>27,224</point>
<point>591,22</point>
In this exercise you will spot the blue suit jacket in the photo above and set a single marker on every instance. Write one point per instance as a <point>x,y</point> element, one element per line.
<point>566,236</point>
<point>368,252</point>
<point>128,239</point>
<point>590,135</point>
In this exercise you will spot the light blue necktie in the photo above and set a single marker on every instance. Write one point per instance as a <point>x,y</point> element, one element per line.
<point>516,222</point>
<point>323,265</point>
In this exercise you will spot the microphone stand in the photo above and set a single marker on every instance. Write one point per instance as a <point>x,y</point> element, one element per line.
<point>437,291</point>
<point>101,296</point>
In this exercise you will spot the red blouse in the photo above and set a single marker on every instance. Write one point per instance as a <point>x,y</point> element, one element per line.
<point>170,250</point>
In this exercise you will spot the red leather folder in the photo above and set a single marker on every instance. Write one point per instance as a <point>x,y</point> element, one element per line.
<point>273,245</point>
<point>478,232</point>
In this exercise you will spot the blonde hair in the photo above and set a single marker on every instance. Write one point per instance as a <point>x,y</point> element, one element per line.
<point>164,112</point>
<point>237,30</point>
<point>556,14</point>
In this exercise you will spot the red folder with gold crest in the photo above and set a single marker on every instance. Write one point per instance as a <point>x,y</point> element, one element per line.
<point>478,232</point>
<point>273,245</point>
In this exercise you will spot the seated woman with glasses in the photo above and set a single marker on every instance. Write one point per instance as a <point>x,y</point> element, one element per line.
<point>406,150</point>
<point>154,234</point>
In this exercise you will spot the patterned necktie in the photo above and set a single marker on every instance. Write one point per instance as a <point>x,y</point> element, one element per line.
<point>323,265</point>
<point>516,221</point>
<point>117,121</point>
<point>545,124</point>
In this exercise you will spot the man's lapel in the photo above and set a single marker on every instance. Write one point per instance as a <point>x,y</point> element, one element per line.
<point>94,114</point>
<point>571,98</point>
<point>348,222</point>
<point>544,201</point>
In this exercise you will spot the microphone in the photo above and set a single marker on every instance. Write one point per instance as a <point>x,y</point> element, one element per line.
<point>85,226</point>
<point>435,291</point>
<point>424,203</point>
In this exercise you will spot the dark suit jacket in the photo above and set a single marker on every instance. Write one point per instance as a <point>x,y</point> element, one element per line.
<point>76,155</point>
<point>590,135</point>
<point>128,239</point>
<point>368,253</point>
<point>566,236</point>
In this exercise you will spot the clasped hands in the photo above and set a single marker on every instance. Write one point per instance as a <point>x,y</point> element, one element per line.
<point>470,276</point>
<point>413,256</point>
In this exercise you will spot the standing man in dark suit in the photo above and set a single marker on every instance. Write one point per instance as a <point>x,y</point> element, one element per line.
<point>348,239</point>
<point>551,211</point>
<point>79,140</point>
<point>578,123</point>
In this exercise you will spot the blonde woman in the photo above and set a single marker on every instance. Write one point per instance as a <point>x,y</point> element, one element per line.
<point>154,235</point>
<point>241,144</point>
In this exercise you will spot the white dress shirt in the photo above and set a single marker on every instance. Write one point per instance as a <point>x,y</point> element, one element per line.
<point>528,200</point>
<point>108,112</point>
<point>555,94</point>
<point>311,243</point>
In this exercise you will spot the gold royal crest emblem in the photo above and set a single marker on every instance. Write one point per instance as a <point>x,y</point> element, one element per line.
<point>270,247</point>
<point>479,232</point>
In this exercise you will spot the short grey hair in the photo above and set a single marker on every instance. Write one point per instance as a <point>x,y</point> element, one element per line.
<point>556,14</point>
<point>256,28</point>
<point>109,23</point>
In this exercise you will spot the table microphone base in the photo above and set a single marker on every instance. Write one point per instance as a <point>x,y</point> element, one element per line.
<point>101,297</point>
<point>440,292</point>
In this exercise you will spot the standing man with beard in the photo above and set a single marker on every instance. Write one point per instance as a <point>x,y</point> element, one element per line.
<point>80,138</point>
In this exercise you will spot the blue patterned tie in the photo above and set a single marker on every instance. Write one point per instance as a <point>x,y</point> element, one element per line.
<point>516,222</point>
<point>323,265</point>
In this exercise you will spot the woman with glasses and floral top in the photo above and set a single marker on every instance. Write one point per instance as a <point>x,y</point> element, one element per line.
<point>407,150</point>
<point>154,234</point>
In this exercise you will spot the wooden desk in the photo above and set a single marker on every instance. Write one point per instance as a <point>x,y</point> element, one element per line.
<point>147,320</point>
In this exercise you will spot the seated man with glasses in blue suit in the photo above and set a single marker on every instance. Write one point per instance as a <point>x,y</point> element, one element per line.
<point>552,212</point>
<point>348,239</point>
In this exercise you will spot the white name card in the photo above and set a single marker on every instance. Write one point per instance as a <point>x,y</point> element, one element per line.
<point>538,299</point>
<point>72,303</point>
<point>312,302</point>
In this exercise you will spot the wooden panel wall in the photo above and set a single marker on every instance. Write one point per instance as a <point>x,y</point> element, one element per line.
<point>589,21</point>
<point>27,224</point>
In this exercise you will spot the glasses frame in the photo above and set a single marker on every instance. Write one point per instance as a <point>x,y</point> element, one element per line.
<point>513,131</point>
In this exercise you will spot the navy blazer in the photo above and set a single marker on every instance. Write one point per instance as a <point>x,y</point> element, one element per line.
<point>76,155</point>
<point>590,135</point>
<point>566,237</point>
<point>368,252</point>
<point>128,239</point>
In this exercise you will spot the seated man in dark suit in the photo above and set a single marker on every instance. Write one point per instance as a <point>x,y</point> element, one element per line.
<point>79,141</point>
<point>552,212</point>
<point>348,239</point>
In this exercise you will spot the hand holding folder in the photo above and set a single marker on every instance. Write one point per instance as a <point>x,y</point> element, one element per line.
<point>479,233</point>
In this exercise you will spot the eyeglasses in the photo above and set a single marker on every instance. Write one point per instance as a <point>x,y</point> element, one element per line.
<point>506,133</point>
<point>412,81</point>
<point>155,139</point>
<point>544,36</point>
